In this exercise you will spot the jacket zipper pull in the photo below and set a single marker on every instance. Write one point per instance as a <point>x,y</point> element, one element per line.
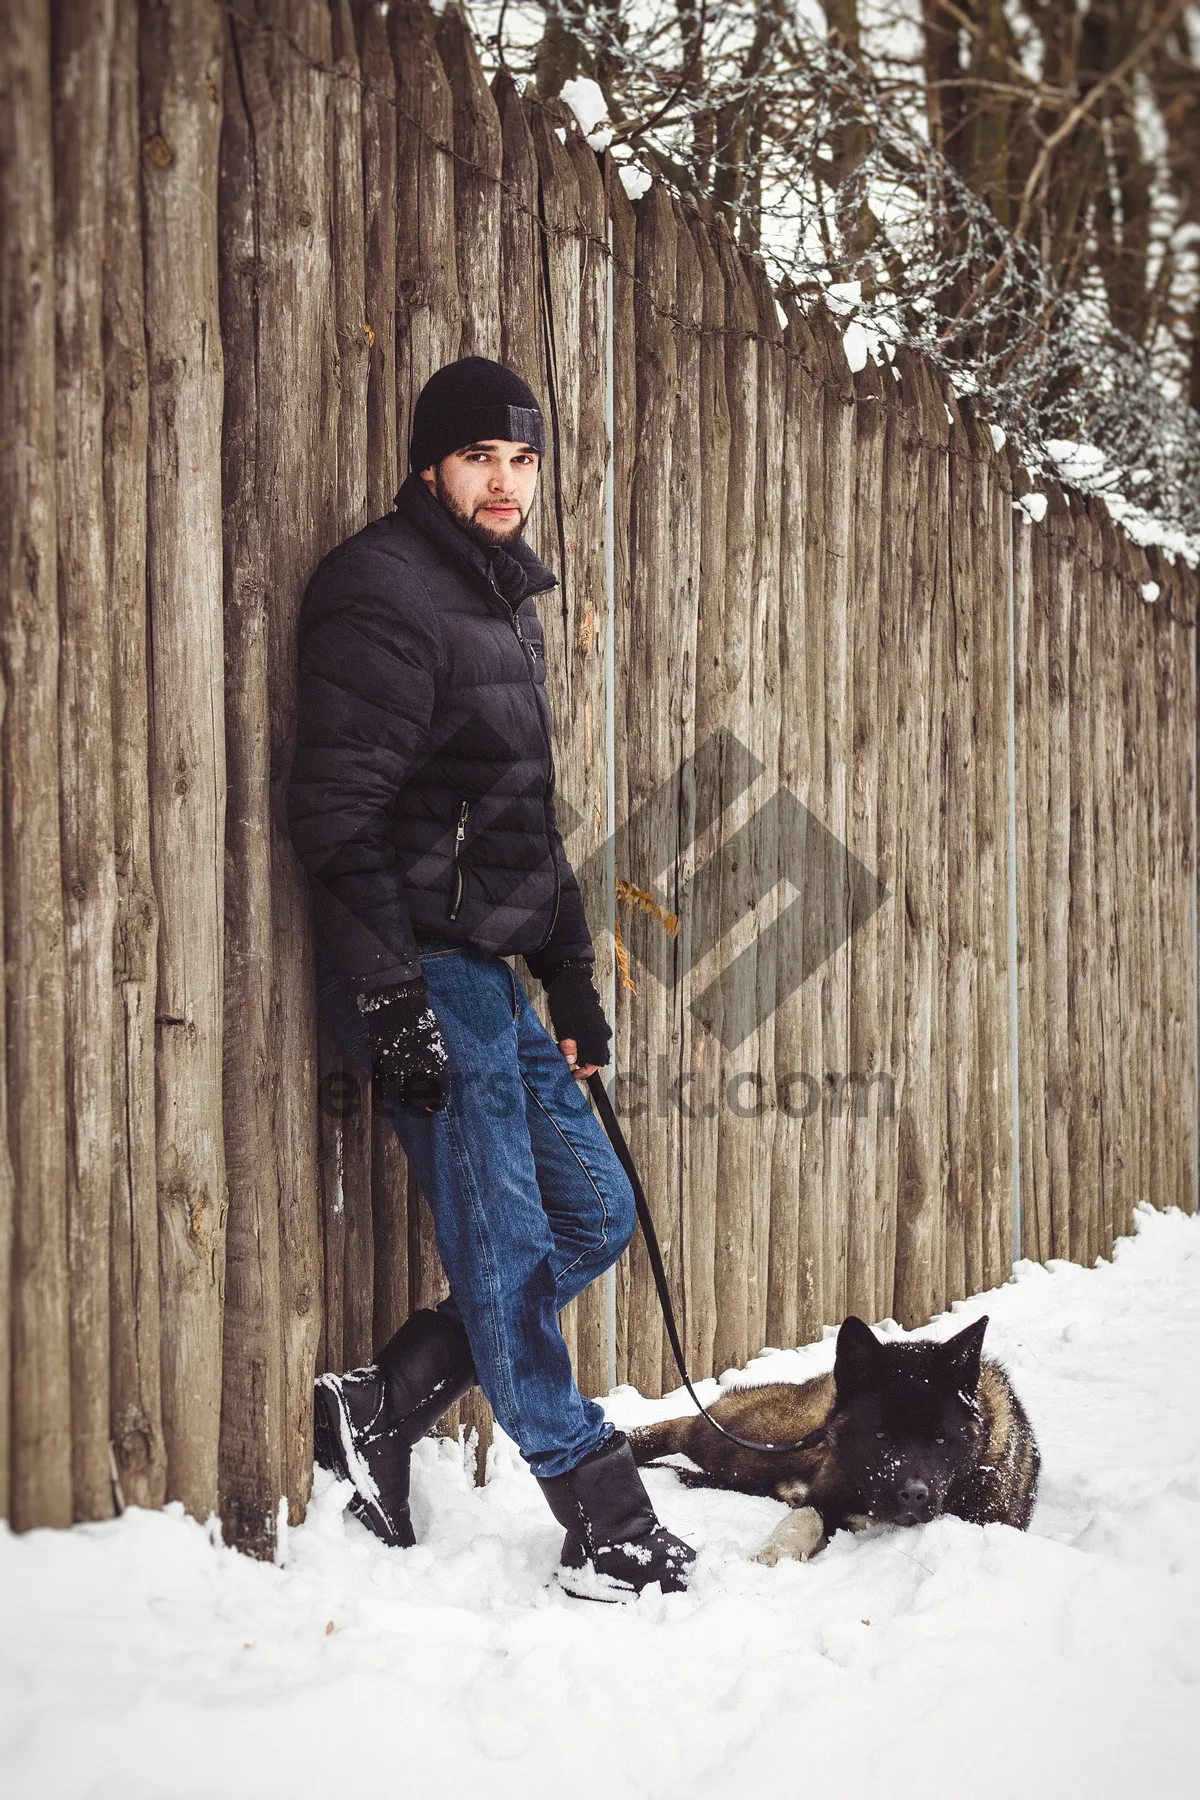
<point>459,834</point>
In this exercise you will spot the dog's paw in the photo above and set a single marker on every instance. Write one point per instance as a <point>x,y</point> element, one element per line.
<point>796,1537</point>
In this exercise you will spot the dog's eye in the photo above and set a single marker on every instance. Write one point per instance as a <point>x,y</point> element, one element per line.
<point>939,1440</point>
<point>881,1434</point>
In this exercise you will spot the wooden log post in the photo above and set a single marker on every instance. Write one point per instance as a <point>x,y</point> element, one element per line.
<point>945,415</point>
<point>135,1404</point>
<point>969,927</point>
<point>335,1099</point>
<point>1108,755</point>
<point>1141,1047</point>
<point>810,1091</point>
<point>519,234</point>
<point>555,528</point>
<point>378,107</point>
<point>996,1032</point>
<point>252,1474</point>
<point>704,800</point>
<point>389,1223</point>
<point>1022,560</point>
<point>1182,605</point>
<point>348,369</point>
<point>181,105</point>
<point>1060,572</point>
<point>1037,762</point>
<point>584,781</point>
<point>1173,686</point>
<point>1083,943</point>
<point>919,1175</point>
<point>6,1244</point>
<point>478,166</point>
<point>82,38</point>
<point>1159,1075</point>
<point>680,882</point>
<point>868,1047</point>
<point>428,309</point>
<point>361,1132</point>
<point>836,509</point>
<point>795,1310</point>
<point>1168,1006</point>
<point>739,1225</point>
<point>624,379</point>
<point>897,621</point>
<point>770,823</point>
<point>286,368</point>
<point>33,903</point>
<point>652,761</point>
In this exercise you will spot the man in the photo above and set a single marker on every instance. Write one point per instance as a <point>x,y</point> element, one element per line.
<point>421,804</point>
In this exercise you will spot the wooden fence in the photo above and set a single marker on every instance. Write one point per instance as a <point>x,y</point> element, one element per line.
<point>799,617</point>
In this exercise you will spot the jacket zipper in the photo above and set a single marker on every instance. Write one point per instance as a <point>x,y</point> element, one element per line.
<point>463,810</point>
<point>516,622</point>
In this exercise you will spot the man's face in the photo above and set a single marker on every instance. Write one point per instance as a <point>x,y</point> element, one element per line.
<point>488,487</point>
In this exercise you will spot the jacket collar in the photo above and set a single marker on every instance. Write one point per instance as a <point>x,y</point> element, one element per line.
<point>513,572</point>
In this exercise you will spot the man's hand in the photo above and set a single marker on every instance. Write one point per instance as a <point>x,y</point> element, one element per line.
<point>569,1047</point>
<point>576,1014</point>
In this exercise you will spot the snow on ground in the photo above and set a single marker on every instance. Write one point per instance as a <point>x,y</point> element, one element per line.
<point>142,1660</point>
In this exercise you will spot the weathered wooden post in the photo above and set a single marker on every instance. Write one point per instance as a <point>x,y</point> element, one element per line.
<point>478,160</point>
<point>181,105</point>
<point>969,928</point>
<point>651,760</point>
<point>738,1092</point>
<point>135,1375</point>
<point>868,751</point>
<point>795,1253</point>
<point>428,309</point>
<point>82,39</point>
<point>379,223</point>
<point>282,321</point>
<point>33,905</point>
<point>705,801</point>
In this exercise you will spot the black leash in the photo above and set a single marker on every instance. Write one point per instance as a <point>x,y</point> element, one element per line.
<point>617,1138</point>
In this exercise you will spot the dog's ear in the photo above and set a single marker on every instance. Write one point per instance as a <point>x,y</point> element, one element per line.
<point>858,1365</point>
<point>962,1354</point>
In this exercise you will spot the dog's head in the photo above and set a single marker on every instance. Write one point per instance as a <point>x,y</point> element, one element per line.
<point>906,1419</point>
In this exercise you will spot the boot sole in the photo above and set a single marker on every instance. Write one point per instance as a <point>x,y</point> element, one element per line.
<point>617,1593</point>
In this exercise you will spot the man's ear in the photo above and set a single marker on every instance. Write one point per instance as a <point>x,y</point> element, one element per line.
<point>962,1354</point>
<point>429,476</point>
<point>858,1365</point>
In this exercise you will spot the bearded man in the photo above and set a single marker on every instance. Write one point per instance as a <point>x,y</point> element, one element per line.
<point>421,803</point>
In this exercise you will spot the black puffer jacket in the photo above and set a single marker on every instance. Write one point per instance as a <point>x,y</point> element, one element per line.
<point>421,790</point>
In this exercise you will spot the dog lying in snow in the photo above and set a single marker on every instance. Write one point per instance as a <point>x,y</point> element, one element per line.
<point>899,1434</point>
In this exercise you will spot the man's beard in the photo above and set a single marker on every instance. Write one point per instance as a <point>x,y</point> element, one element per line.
<point>486,535</point>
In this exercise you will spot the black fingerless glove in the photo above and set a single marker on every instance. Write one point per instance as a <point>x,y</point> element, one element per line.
<point>407,1046</point>
<point>576,1011</point>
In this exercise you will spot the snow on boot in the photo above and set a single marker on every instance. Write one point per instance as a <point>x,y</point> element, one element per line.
<point>367,1421</point>
<point>614,1545</point>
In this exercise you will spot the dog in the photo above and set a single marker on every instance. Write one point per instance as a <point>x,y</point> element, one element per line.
<point>895,1434</point>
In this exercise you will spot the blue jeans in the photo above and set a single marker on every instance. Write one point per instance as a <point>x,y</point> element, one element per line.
<point>529,1200</point>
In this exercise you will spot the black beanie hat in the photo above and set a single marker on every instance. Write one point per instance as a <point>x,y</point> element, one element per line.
<point>471,400</point>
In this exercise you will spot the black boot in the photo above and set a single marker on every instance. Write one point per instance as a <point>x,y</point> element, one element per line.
<point>612,1527</point>
<point>367,1421</point>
